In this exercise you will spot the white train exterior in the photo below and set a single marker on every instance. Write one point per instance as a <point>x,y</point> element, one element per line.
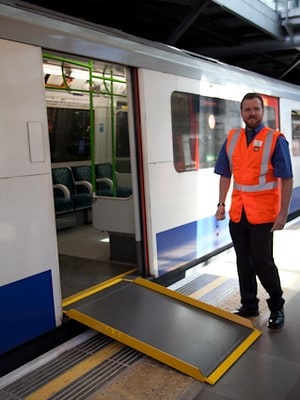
<point>171,212</point>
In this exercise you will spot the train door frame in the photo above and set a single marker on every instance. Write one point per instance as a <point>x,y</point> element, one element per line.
<point>137,170</point>
<point>134,142</point>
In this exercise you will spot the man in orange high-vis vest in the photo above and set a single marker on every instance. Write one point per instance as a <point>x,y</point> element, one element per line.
<point>259,161</point>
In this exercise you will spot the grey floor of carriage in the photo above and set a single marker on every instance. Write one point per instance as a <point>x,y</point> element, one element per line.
<point>84,259</point>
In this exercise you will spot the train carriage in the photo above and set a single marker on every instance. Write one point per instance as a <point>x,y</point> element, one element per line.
<point>77,95</point>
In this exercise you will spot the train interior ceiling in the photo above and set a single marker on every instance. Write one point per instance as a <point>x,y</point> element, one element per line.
<point>88,135</point>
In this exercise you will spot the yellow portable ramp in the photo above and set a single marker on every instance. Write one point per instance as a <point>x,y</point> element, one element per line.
<point>195,338</point>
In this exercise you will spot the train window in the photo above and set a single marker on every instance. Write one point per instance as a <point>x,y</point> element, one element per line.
<point>270,117</point>
<point>200,125</point>
<point>296,133</point>
<point>69,134</point>
<point>71,100</point>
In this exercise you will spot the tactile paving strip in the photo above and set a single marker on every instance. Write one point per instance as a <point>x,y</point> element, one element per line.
<point>148,379</point>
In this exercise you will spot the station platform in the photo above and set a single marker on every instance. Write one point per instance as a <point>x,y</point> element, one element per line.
<point>95,366</point>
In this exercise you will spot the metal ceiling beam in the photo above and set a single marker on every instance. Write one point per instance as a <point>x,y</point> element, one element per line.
<point>255,13</point>
<point>291,67</point>
<point>186,23</point>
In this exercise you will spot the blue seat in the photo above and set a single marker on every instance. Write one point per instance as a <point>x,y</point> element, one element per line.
<point>104,182</point>
<point>104,179</point>
<point>62,199</point>
<point>69,196</point>
<point>83,178</point>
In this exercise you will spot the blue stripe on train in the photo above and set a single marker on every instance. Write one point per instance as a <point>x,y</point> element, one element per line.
<point>184,244</point>
<point>181,245</point>
<point>27,310</point>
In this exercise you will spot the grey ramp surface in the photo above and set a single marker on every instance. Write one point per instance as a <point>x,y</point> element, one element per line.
<point>187,333</point>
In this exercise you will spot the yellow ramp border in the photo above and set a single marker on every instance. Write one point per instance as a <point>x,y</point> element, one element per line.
<point>106,312</point>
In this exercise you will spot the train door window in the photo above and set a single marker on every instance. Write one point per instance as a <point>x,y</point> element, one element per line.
<point>199,126</point>
<point>271,111</point>
<point>122,139</point>
<point>184,108</point>
<point>296,133</point>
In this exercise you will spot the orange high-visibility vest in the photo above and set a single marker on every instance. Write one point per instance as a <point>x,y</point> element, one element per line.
<point>254,185</point>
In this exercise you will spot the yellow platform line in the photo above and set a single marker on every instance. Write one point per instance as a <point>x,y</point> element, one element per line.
<point>208,288</point>
<point>78,370</point>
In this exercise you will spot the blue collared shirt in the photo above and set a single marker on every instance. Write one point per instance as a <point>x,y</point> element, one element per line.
<point>281,159</point>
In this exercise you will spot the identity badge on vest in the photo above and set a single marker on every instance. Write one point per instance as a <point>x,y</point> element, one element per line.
<point>257,144</point>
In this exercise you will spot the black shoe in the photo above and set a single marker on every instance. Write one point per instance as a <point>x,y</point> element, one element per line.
<point>276,320</point>
<point>246,312</point>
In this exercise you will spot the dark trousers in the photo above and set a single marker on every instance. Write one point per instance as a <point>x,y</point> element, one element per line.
<point>253,245</point>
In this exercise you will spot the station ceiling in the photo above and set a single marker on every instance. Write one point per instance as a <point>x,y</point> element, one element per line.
<point>244,33</point>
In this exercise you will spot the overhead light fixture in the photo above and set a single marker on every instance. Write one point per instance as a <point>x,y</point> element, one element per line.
<point>50,69</point>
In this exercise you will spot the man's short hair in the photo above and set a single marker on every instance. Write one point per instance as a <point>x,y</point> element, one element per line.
<point>250,96</point>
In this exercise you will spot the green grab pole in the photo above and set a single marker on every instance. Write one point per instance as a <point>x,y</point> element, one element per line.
<point>113,139</point>
<point>92,128</point>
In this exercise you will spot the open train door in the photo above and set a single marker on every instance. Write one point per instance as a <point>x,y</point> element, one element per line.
<point>121,212</point>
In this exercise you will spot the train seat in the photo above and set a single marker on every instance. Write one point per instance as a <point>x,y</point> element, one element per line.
<point>104,179</point>
<point>62,199</point>
<point>83,178</point>
<point>79,193</point>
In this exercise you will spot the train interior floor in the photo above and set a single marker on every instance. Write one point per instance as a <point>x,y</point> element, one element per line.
<point>93,366</point>
<point>84,259</point>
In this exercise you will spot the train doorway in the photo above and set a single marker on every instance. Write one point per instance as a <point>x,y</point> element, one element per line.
<point>91,161</point>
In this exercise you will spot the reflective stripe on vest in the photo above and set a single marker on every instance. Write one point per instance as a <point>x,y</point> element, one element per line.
<point>263,185</point>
